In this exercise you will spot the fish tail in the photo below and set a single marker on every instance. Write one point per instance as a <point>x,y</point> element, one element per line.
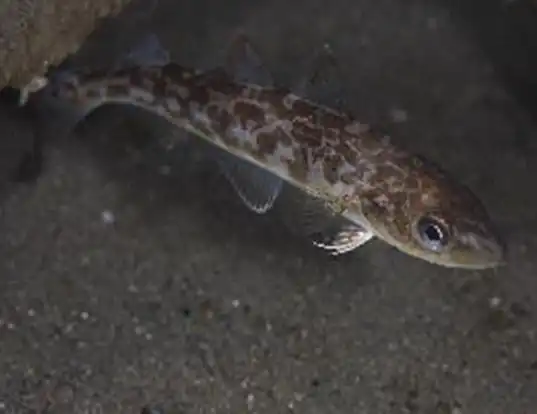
<point>50,103</point>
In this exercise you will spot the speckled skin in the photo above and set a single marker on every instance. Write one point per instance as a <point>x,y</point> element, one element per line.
<point>358,172</point>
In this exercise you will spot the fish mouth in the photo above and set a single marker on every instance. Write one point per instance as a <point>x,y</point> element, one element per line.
<point>491,260</point>
<point>496,256</point>
<point>481,263</point>
<point>484,253</point>
<point>494,251</point>
<point>489,263</point>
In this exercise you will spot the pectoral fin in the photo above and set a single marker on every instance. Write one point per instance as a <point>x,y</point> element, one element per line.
<point>346,239</point>
<point>314,219</point>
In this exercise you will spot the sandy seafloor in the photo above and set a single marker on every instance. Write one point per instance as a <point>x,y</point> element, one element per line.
<point>132,278</point>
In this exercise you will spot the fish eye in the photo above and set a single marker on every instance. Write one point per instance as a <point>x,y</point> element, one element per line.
<point>433,234</point>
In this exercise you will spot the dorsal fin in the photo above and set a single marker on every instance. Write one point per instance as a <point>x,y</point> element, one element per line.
<point>148,51</point>
<point>244,63</point>
<point>322,81</point>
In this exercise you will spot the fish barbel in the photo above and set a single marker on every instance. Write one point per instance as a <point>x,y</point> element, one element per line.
<point>268,135</point>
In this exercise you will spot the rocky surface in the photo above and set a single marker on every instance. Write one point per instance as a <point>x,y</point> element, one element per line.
<point>37,33</point>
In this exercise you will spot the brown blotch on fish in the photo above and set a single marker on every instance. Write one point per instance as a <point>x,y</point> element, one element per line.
<point>305,133</point>
<point>118,90</point>
<point>298,166</point>
<point>175,72</point>
<point>268,142</point>
<point>219,117</point>
<point>160,87</point>
<point>139,79</point>
<point>219,81</point>
<point>331,168</point>
<point>347,151</point>
<point>332,136</point>
<point>330,119</point>
<point>201,96</point>
<point>246,112</point>
<point>93,93</point>
<point>301,109</point>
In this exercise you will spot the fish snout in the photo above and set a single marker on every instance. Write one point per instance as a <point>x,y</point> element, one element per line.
<point>485,250</point>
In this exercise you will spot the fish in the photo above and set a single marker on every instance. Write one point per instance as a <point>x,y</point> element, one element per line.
<point>264,136</point>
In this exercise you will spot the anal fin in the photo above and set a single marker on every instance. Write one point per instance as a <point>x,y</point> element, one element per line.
<point>256,187</point>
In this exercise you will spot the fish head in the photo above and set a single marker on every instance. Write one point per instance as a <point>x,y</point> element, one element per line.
<point>430,216</point>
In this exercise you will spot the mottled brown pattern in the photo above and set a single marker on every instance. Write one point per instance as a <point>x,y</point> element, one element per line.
<point>139,78</point>
<point>117,90</point>
<point>93,93</point>
<point>298,167</point>
<point>331,168</point>
<point>248,113</point>
<point>267,142</point>
<point>160,86</point>
<point>318,150</point>
<point>308,133</point>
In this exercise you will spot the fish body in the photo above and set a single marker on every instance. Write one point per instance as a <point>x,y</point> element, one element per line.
<point>357,173</point>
